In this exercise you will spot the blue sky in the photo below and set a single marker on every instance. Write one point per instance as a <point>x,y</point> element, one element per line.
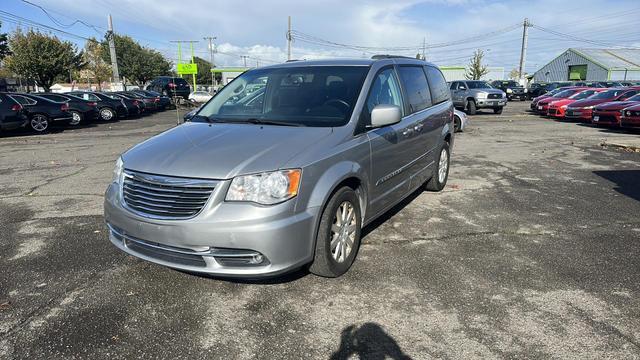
<point>257,28</point>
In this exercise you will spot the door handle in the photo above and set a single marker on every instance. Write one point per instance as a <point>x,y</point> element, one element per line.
<point>418,127</point>
<point>407,132</point>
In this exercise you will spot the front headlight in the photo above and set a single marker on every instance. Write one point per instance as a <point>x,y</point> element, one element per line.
<point>117,171</point>
<point>509,91</point>
<point>588,107</point>
<point>265,188</point>
<point>526,91</point>
<point>563,107</point>
<point>482,95</point>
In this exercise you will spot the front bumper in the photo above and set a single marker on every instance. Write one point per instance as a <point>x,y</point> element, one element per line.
<point>630,121</point>
<point>556,112</point>
<point>285,238</point>
<point>606,117</point>
<point>491,103</point>
<point>578,114</point>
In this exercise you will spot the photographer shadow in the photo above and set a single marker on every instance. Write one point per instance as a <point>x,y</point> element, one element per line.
<point>368,341</point>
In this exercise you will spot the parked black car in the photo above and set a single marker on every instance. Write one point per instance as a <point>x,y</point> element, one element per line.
<point>151,103</point>
<point>536,89</point>
<point>133,105</point>
<point>83,111</point>
<point>165,101</point>
<point>42,112</point>
<point>170,86</point>
<point>110,108</point>
<point>511,88</point>
<point>12,114</point>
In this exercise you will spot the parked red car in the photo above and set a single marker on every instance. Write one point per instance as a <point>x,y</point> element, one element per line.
<point>630,117</point>
<point>543,105</point>
<point>582,110</point>
<point>558,107</point>
<point>534,102</point>
<point>609,113</point>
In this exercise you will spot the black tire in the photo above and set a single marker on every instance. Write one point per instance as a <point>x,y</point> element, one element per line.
<point>471,107</point>
<point>108,114</point>
<point>39,123</point>
<point>77,118</point>
<point>456,124</point>
<point>497,110</point>
<point>324,264</point>
<point>435,183</point>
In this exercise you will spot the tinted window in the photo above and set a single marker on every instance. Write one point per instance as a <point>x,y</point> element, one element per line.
<point>454,85</point>
<point>303,96</point>
<point>416,87</point>
<point>54,97</point>
<point>437,85</point>
<point>478,85</point>
<point>609,94</point>
<point>628,95</point>
<point>582,95</point>
<point>23,100</point>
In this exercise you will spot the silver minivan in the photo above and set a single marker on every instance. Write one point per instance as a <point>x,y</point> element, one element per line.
<point>283,167</point>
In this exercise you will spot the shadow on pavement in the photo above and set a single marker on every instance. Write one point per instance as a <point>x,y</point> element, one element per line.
<point>626,181</point>
<point>369,341</point>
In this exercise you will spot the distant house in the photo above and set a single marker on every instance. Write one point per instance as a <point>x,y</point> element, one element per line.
<point>592,65</point>
<point>65,87</point>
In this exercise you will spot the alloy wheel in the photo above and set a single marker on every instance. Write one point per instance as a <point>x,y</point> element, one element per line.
<point>39,123</point>
<point>443,166</point>
<point>76,118</point>
<point>343,232</point>
<point>106,114</point>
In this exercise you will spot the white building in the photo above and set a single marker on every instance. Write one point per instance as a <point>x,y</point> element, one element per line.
<point>452,73</point>
<point>592,65</point>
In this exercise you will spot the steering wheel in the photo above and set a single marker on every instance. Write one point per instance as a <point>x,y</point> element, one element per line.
<point>341,104</point>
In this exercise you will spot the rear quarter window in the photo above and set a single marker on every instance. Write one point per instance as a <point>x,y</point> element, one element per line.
<point>437,85</point>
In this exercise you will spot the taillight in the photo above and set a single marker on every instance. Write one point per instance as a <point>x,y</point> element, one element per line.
<point>16,107</point>
<point>172,85</point>
<point>92,104</point>
<point>136,103</point>
<point>64,107</point>
<point>156,99</point>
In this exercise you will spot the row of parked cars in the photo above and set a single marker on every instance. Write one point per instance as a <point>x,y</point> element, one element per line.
<point>612,107</point>
<point>41,111</point>
<point>537,89</point>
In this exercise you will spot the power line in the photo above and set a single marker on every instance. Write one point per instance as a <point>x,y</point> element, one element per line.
<point>55,21</point>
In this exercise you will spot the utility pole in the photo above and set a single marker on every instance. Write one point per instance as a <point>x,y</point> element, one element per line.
<point>112,52</point>
<point>211,38</point>
<point>244,58</point>
<point>289,40</point>
<point>523,51</point>
<point>424,48</point>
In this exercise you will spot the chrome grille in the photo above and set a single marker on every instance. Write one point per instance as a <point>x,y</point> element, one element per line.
<point>494,96</point>
<point>165,197</point>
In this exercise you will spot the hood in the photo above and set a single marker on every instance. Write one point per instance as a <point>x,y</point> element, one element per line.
<point>489,91</point>
<point>549,100</point>
<point>221,151</point>
<point>587,102</point>
<point>540,98</point>
<point>617,105</point>
<point>562,102</point>
<point>634,107</point>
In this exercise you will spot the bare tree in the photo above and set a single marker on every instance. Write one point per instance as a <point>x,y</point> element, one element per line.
<point>476,69</point>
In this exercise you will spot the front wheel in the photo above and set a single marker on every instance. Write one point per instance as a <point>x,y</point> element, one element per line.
<point>471,107</point>
<point>441,173</point>
<point>39,123</point>
<point>338,237</point>
<point>497,110</point>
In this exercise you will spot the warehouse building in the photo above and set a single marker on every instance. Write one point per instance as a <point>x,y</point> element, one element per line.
<point>592,65</point>
<point>453,73</point>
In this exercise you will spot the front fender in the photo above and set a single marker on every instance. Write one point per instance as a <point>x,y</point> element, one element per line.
<point>332,177</point>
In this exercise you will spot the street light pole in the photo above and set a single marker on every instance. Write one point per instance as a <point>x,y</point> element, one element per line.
<point>211,38</point>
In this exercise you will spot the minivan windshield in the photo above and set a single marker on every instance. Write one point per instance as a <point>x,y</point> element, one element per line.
<point>322,96</point>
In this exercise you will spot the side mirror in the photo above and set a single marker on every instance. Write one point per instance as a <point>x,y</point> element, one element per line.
<point>385,114</point>
<point>462,88</point>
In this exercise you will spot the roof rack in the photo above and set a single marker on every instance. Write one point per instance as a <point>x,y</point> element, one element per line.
<point>379,57</point>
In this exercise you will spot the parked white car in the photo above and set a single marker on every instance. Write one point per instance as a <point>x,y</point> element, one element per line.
<point>200,96</point>
<point>460,120</point>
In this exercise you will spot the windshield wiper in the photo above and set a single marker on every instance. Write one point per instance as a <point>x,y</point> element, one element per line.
<point>271,122</point>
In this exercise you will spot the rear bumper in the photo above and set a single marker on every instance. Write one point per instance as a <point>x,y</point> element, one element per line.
<point>630,122</point>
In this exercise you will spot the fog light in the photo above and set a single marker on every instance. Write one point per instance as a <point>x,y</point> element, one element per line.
<point>256,259</point>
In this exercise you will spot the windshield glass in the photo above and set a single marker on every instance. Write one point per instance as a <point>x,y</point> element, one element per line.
<point>582,95</point>
<point>634,98</point>
<point>298,96</point>
<point>510,83</point>
<point>609,94</point>
<point>478,85</point>
<point>564,94</point>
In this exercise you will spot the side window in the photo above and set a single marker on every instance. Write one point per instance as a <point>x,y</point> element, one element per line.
<point>416,87</point>
<point>628,94</point>
<point>24,100</point>
<point>384,90</point>
<point>454,85</point>
<point>437,85</point>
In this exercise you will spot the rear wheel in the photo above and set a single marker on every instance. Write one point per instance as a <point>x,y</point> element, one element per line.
<point>497,110</point>
<point>471,107</point>
<point>338,237</point>
<point>456,124</point>
<point>76,118</point>
<point>441,174</point>
<point>39,123</point>
<point>107,114</point>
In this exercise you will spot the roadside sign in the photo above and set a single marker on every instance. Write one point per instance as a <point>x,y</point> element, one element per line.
<point>187,69</point>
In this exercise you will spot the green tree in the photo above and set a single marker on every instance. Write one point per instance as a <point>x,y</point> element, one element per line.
<point>4,45</point>
<point>135,62</point>
<point>476,69</point>
<point>41,57</point>
<point>99,69</point>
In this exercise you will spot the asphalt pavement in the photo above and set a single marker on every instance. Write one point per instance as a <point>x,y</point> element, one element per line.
<point>531,251</point>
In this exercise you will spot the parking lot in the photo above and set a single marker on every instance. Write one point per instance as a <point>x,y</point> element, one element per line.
<point>531,251</point>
